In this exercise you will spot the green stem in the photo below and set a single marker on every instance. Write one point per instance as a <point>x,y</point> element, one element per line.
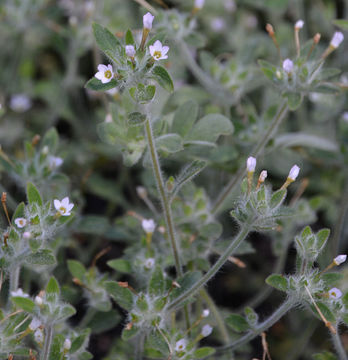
<point>341,352</point>
<point>216,313</point>
<point>213,270</point>
<point>256,152</point>
<point>48,342</point>
<point>279,313</point>
<point>164,199</point>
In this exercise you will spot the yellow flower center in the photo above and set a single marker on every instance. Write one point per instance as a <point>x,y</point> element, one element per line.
<point>108,74</point>
<point>333,293</point>
<point>62,210</point>
<point>157,54</point>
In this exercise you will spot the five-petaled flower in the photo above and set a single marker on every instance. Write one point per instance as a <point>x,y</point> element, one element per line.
<point>105,73</point>
<point>63,207</point>
<point>20,222</point>
<point>158,51</point>
<point>181,345</point>
<point>335,293</point>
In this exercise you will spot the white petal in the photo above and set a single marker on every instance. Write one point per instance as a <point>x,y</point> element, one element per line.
<point>57,204</point>
<point>102,67</point>
<point>65,202</point>
<point>110,68</point>
<point>152,49</point>
<point>158,45</point>
<point>165,49</point>
<point>99,75</point>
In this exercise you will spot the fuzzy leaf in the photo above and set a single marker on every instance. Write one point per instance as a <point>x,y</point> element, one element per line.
<point>96,85</point>
<point>121,265</point>
<point>237,323</point>
<point>129,39</point>
<point>52,287</point>
<point>184,118</point>
<point>163,78</point>
<point>157,282</point>
<point>41,257</point>
<point>277,198</point>
<point>104,38</point>
<point>322,237</point>
<point>136,119</point>
<point>76,269</point>
<point>122,296</point>
<point>203,352</point>
<point>170,143</point>
<point>24,303</point>
<point>33,194</point>
<point>278,281</point>
<point>294,100</point>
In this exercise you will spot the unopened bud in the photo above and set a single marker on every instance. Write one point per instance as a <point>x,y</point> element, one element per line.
<point>149,226</point>
<point>316,38</point>
<point>199,4</point>
<point>147,21</point>
<point>299,24</point>
<point>288,66</point>
<point>340,259</point>
<point>336,39</point>
<point>205,313</point>
<point>38,300</point>
<point>130,51</point>
<point>263,176</point>
<point>270,29</point>
<point>251,164</point>
<point>67,344</point>
<point>294,171</point>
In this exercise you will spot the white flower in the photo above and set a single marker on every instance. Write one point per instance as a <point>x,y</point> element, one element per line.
<point>20,103</point>
<point>105,73</point>
<point>19,292</point>
<point>299,24</point>
<point>54,162</point>
<point>147,21</point>
<point>230,5</point>
<point>199,4</point>
<point>67,344</point>
<point>35,323</point>
<point>294,171</point>
<point>149,263</point>
<point>288,66</point>
<point>63,207</point>
<point>130,51</point>
<point>340,259</point>
<point>149,226</point>
<point>26,235</point>
<point>251,164</point>
<point>38,336</point>
<point>207,330</point>
<point>181,345</point>
<point>335,293</point>
<point>205,313</point>
<point>336,39</point>
<point>157,51</point>
<point>263,175</point>
<point>38,300</point>
<point>20,222</point>
<point>217,24</point>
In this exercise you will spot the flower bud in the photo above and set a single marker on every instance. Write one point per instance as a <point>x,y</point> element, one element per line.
<point>67,344</point>
<point>206,331</point>
<point>263,176</point>
<point>38,300</point>
<point>26,235</point>
<point>35,323</point>
<point>288,66</point>
<point>336,39</point>
<point>199,4</point>
<point>340,259</point>
<point>299,24</point>
<point>205,313</point>
<point>147,21</point>
<point>130,51</point>
<point>149,226</point>
<point>251,164</point>
<point>294,171</point>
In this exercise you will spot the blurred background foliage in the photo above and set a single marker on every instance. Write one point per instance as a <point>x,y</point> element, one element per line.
<point>48,53</point>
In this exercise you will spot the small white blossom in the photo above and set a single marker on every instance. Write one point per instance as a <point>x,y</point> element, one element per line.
<point>294,171</point>
<point>54,162</point>
<point>340,259</point>
<point>288,66</point>
<point>205,313</point>
<point>26,235</point>
<point>20,103</point>
<point>335,293</point>
<point>158,51</point>
<point>38,300</point>
<point>19,292</point>
<point>149,263</point>
<point>207,330</point>
<point>299,24</point>
<point>199,4</point>
<point>130,51</point>
<point>251,164</point>
<point>147,21</point>
<point>45,150</point>
<point>63,207</point>
<point>149,226</point>
<point>181,345</point>
<point>105,73</point>
<point>230,5</point>
<point>336,39</point>
<point>263,175</point>
<point>38,336</point>
<point>35,323</point>
<point>218,24</point>
<point>67,344</point>
<point>20,222</point>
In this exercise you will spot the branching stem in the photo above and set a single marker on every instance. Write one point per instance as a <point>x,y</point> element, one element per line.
<point>48,342</point>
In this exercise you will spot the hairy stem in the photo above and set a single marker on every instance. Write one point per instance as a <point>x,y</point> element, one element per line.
<point>244,231</point>
<point>48,342</point>
<point>163,194</point>
<point>270,321</point>
<point>255,152</point>
<point>14,278</point>
<point>341,352</point>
